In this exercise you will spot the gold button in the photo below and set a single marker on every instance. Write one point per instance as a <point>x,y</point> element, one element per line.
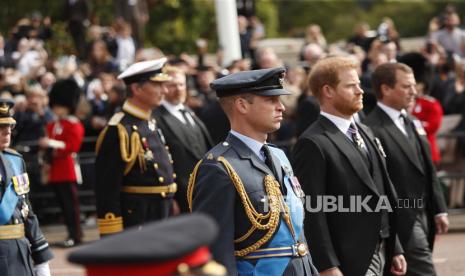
<point>174,175</point>
<point>301,249</point>
<point>171,161</point>
<point>155,166</point>
<point>161,179</point>
<point>134,127</point>
<point>167,148</point>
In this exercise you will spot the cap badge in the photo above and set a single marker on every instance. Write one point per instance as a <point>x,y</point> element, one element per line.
<point>4,108</point>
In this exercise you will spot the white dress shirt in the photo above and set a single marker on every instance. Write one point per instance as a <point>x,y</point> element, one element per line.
<point>341,123</point>
<point>175,110</point>
<point>394,114</point>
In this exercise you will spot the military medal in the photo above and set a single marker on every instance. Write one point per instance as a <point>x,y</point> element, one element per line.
<point>148,154</point>
<point>152,124</point>
<point>294,181</point>
<point>25,210</point>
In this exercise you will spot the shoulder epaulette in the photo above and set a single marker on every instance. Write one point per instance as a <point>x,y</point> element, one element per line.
<point>217,151</point>
<point>12,151</point>
<point>116,118</point>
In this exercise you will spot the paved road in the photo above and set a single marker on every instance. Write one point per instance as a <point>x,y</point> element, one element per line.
<point>449,253</point>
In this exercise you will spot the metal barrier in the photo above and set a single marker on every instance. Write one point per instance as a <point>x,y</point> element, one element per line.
<point>42,196</point>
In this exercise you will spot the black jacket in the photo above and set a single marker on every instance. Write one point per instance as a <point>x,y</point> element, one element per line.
<point>413,181</point>
<point>327,163</point>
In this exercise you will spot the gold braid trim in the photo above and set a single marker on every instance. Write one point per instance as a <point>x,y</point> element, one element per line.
<point>110,224</point>
<point>132,151</point>
<point>275,201</point>
<point>190,185</point>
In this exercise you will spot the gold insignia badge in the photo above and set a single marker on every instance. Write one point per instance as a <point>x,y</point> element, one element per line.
<point>4,109</point>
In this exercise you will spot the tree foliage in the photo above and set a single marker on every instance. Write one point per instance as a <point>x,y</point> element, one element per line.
<point>175,25</point>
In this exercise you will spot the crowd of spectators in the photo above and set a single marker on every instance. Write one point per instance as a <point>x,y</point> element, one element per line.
<point>28,71</point>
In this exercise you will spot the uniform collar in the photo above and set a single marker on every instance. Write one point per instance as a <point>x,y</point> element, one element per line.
<point>253,144</point>
<point>136,111</point>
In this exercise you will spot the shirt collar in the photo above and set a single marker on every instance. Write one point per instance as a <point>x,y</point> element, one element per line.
<point>341,123</point>
<point>394,114</point>
<point>171,107</point>
<point>253,144</point>
<point>136,111</point>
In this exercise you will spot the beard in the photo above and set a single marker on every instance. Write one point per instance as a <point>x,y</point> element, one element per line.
<point>348,108</point>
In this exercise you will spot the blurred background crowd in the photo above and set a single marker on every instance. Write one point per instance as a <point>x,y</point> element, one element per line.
<point>29,69</point>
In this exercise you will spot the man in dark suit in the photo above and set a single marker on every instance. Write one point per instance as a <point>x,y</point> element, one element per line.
<point>409,164</point>
<point>248,186</point>
<point>338,159</point>
<point>185,134</point>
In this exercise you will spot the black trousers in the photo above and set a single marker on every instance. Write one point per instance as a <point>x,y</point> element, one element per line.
<point>66,193</point>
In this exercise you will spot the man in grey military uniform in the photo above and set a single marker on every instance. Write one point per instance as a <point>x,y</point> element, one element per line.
<point>248,186</point>
<point>23,248</point>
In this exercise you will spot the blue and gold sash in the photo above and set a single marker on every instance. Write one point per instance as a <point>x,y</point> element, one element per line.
<point>17,186</point>
<point>283,236</point>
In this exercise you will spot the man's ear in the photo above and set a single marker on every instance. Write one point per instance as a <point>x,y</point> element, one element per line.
<point>241,105</point>
<point>385,90</point>
<point>327,92</point>
<point>135,88</point>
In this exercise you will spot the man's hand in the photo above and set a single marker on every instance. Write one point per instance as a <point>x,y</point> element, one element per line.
<point>42,269</point>
<point>331,272</point>
<point>399,265</point>
<point>442,224</point>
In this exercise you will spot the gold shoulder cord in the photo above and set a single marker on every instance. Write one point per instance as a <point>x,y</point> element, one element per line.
<point>275,201</point>
<point>130,152</point>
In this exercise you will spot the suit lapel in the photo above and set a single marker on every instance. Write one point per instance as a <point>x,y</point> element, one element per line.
<point>344,145</point>
<point>246,153</point>
<point>202,127</point>
<point>172,123</point>
<point>398,137</point>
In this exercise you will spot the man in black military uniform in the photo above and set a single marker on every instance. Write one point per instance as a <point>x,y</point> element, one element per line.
<point>248,186</point>
<point>23,248</point>
<point>175,246</point>
<point>134,174</point>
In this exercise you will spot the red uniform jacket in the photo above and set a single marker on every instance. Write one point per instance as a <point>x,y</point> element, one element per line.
<point>71,132</point>
<point>429,111</point>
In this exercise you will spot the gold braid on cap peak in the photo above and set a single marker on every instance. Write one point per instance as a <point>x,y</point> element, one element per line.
<point>275,201</point>
<point>130,150</point>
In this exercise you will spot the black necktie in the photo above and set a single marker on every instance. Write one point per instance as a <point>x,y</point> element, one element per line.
<point>269,159</point>
<point>184,115</point>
